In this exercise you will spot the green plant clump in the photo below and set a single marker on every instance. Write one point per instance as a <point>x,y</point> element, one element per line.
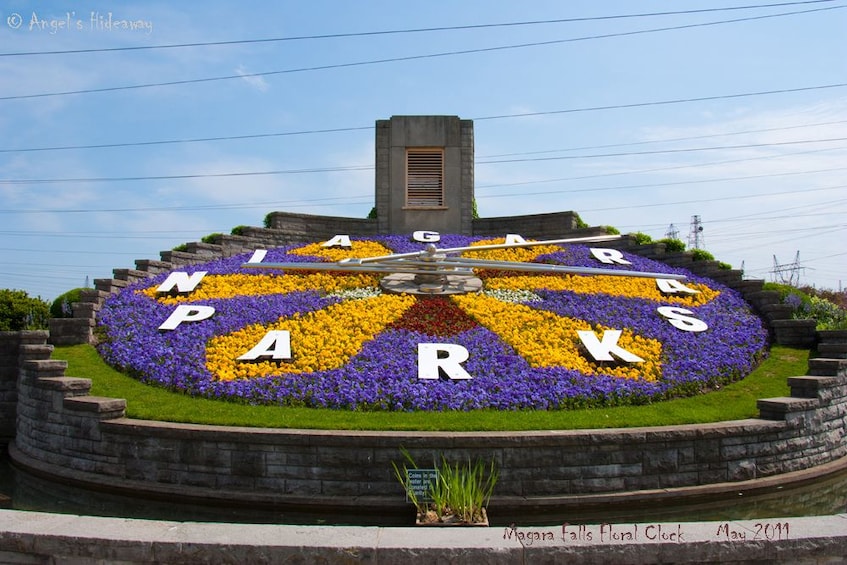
<point>238,230</point>
<point>211,238</point>
<point>611,230</point>
<point>181,247</point>
<point>460,492</point>
<point>701,255</point>
<point>641,238</point>
<point>673,245</point>
<point>580,223</point>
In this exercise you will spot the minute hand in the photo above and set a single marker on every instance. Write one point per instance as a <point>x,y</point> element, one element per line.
<point>547,268</point>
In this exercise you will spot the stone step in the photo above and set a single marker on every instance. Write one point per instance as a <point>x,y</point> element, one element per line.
<point>832,350</point>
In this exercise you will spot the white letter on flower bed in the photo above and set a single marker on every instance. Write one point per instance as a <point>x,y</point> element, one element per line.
<point>678,319</point>
<point>338,241</point>
<point>276,344</point>
<point>426,236</point>
<point>185,313</point>
<point>672,286</point>
<point>258,256</point>
<point>609,256</point>
<point>512,238</point>
<point>182,281</point>
<point>429,362</point>
<point>602,350</point>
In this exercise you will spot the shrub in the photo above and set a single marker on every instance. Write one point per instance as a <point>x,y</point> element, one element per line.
<point>267,220</point>
<point>238,230</point>
<point>641,238</point>
<point>211,238</point>
<point>372,214</point>
<point>828,315</point>
<point>701,255</point>
<point>181,247</point>
<point>580,224</point>
<point>19,311</point>
<point>611,230</point>
<point>673,245</point>
<point>61,307</point>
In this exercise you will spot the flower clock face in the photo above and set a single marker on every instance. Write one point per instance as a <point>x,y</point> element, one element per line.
<point>313,325</point>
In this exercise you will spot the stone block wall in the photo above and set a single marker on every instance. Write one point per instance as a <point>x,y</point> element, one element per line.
<point>62,431</point>
<point>555,225</point>
<point>15,348</point>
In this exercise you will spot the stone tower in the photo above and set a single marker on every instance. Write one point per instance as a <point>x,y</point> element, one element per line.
<point>425,174</point>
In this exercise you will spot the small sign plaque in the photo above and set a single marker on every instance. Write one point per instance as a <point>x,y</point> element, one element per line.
<point>419,483</point>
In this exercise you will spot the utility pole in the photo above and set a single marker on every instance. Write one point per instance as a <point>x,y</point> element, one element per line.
<point>788,273</point>
<point>695,234</point>
<point>672,232</point>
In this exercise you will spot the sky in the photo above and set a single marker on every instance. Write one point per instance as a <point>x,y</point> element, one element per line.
<point>128,128</point>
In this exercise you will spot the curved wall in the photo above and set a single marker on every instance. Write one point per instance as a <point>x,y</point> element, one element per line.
<point>62,431</point>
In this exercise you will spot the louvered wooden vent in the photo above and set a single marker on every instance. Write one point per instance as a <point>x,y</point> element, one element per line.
<point>424,177</point>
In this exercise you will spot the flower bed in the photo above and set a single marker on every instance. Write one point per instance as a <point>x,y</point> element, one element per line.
<point>354,347</point>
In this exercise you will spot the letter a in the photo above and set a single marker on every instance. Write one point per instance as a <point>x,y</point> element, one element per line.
<point>672,286</point>
<point>513,238</point>
<point>184,313</point>
<point>602,350</point>
<point>338,241</point>
<point>182,281</point>
<point>276,344</point>
<point>429,361</point>
<point>258,256</point>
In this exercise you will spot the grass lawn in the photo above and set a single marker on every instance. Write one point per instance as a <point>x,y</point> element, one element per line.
<point>733,402</point>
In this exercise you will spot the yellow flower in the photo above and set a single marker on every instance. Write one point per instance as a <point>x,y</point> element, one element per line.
<point>320,340</point>
<point>227,286</point>
<point>523,254</point>
<point>359,250</point>
<point>546,339</point>
<point>632,287</point>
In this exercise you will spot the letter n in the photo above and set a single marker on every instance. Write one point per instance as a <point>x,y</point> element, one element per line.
<point>182,281</point>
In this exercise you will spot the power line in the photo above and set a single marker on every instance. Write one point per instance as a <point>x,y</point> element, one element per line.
<point>664,151</point>
<point>406,58</point>
<point>370,167</point>
<point>654,141</point>
<point>663,102</point>
<point>405,31</point>
<point>187,140</point>
<point>370,128</point>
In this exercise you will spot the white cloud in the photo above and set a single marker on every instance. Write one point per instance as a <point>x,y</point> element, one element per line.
<point>257,82</point>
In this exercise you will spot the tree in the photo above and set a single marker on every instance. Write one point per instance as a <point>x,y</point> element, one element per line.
<point>19,311</point>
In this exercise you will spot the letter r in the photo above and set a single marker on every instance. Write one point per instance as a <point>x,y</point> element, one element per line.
<point>429,361</point>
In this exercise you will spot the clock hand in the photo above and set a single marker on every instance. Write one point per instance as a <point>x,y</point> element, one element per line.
<point>547,268</point>
<point>432,250</point>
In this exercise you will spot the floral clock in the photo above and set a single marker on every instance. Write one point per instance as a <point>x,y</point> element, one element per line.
<point>429,321</point>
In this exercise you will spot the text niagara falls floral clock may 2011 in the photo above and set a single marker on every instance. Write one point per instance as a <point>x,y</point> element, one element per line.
<point>527,340</point>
